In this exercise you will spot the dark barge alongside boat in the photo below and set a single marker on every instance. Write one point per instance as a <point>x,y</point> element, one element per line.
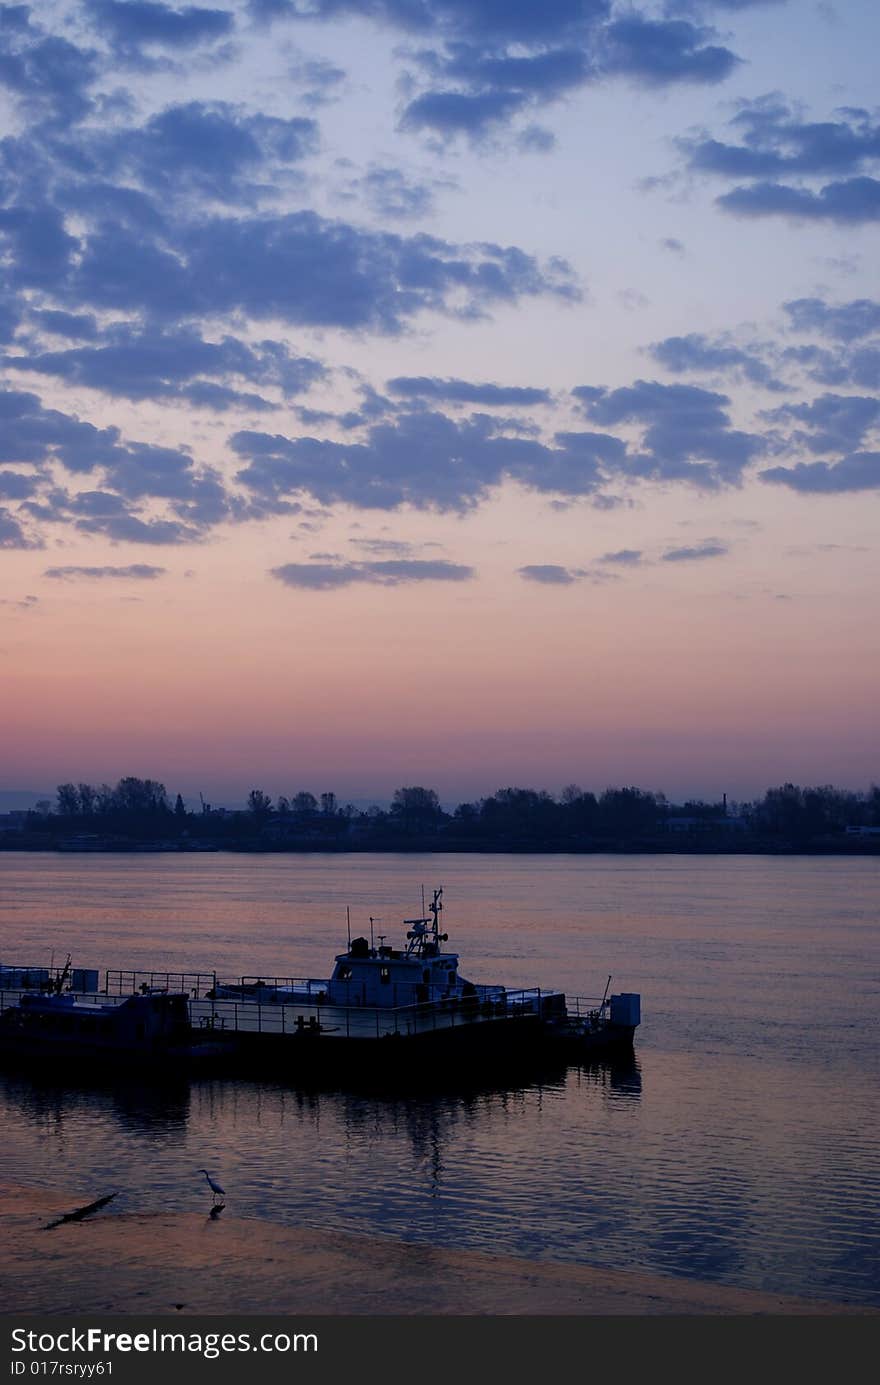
<point>398,1010</point>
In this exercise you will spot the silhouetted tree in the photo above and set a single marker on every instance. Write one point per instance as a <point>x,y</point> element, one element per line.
<point>304,803</point>
<point>68,800</point>
<point>628,813</point>
<point>416,809</point>
<point>139,797</point>
<point>259,804</point>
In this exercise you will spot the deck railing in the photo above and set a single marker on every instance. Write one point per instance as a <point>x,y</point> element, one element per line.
<point>363,1021</point>
<point>194,983</point>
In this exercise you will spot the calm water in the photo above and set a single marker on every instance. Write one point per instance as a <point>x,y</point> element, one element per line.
<point>742,1146</point>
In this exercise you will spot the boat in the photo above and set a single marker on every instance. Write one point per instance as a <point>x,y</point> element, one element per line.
<point>61,1025</point>
<point>404,1009</point>
<point>415,993</point>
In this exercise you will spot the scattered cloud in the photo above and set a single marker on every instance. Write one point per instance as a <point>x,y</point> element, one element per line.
<point>773,141</point>
<point>13,535</point>
<point>686,433</point>
<point>391,572</point>
<point>550,574</point>
<point>144,362</point>
<point>842,322</point>
<point>699,353</point>
<point>663,52</point>
<point>710,549</point>
<point>831,423</point>
<point>773,144</point>
<point>624,557</point>
<point>139,572</point>
<point>858,472</point>
<point>465,391</point>
<point>852,201</point>
<point>133,26</point>
<point>27,603</point>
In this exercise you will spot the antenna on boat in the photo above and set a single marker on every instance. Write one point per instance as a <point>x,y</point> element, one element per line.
<point>605,996</point>
<point>372,945</point>
<point>348,924</point>
<point>423,901</point>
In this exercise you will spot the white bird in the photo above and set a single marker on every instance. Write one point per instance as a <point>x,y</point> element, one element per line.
<point>215,1187</point>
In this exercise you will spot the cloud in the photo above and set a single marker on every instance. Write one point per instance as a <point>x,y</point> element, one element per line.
<point>320,79</point>
<point>50,75</point>
<point>486,80</point>
<point>535,139</point>
<point>465,391</point>
<point>130,528</point>
<point>76,326</point>
<point>832,422</point>
<point>686,431</point>
<point>626,557</point>
<point>387,573</point>
<point>425,459</point>
<point>851,202</point>
<point>858,472</point>
<point>136,362</point>
<point>482,62</point>
<point>661,52</point>
<point>133,572</point>
<point>213,149</point>
<point>301,268</point>
<point>548,573</point>
<point>696,352</point>
<point>15,485</point>
<point>130,475</point>
<point>132,25</point>
<point>27,603</point>
<point>391,194</point>
<point>711,549</point>
<point>458,112</point>
<point>775,142</point>
<point>490,21</point>
<point>12,535</point>
<point>398,548</point>
<point>552,575</point>
<point>39,248</point>
<point>842,322</point>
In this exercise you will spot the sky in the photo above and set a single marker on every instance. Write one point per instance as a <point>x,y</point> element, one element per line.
<point>465,393</point>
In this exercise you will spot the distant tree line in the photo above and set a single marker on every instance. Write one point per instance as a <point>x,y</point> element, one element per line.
<point>141,811</point>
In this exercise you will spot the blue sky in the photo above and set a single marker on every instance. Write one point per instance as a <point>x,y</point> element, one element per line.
<point>458,320</point>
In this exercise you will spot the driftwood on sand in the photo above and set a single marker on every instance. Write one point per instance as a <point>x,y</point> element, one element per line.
<point>79,1213</point>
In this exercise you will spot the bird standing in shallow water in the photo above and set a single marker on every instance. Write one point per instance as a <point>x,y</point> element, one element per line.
<point>215,1187</point>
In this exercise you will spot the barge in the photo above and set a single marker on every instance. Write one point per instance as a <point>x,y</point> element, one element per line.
<point>383,1009</point>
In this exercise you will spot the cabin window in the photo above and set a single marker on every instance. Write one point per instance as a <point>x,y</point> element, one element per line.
<point>426,976</point>
<point>344,973</point>
<point>385,974</point>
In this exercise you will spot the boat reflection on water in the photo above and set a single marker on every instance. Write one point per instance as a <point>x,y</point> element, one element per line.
<point>149,1110</point>
<point>280,1144</point>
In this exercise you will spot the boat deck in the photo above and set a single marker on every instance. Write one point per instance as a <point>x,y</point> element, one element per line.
<point>353,1022</point>
<point>209,1017</point>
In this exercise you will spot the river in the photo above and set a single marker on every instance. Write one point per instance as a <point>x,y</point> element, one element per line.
<point>741,1146</point>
